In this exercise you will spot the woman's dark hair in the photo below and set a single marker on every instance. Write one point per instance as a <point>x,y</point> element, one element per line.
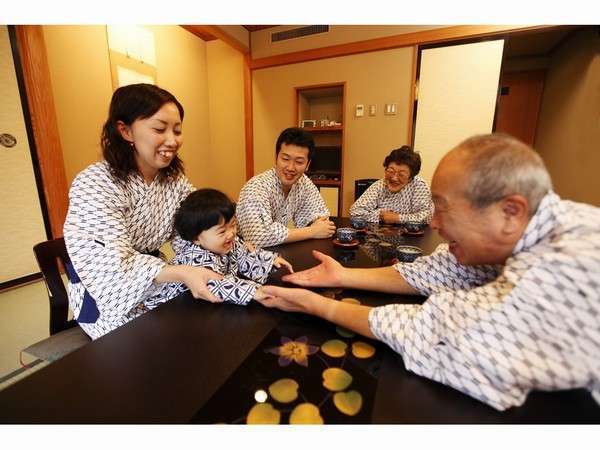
<point>298,137</point>
<point>128,104</point>
<point>201,210</point>
<point>407,156</point>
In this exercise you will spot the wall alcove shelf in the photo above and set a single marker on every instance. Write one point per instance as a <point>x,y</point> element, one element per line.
<point>324,106</point>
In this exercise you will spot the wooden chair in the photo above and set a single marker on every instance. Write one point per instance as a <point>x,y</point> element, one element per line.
<point>65,335</point>
<point>361,186</point>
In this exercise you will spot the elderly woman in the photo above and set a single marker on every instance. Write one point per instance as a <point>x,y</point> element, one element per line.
<point>401,196</point>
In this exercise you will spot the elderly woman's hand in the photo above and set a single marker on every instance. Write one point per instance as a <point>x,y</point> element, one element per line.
<point>387,216</point>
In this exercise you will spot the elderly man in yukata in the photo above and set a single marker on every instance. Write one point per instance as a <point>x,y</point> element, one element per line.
<point>514,296</point>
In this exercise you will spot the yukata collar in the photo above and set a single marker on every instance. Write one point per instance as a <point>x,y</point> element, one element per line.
<point>137,179</point>
<point>541,224</point>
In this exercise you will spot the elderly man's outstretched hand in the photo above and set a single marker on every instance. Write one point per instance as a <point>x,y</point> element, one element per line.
<point>287,299</point>
<point>327,274</point>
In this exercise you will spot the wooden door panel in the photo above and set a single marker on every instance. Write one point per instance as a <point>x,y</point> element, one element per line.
<point>519,104</point>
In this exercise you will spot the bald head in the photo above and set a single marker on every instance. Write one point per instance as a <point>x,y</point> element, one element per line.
<point>489,167</point>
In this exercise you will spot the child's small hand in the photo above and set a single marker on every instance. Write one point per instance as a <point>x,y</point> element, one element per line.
<point>259,294</point>
<point>279,261</point>
<point>250,247</point>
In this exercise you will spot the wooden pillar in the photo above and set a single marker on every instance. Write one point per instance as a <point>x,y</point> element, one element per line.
<point>36,75</point>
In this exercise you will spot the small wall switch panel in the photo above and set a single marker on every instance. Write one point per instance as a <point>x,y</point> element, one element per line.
<point>372,110</point>
<point>359,110</point>
<point>390,109</point>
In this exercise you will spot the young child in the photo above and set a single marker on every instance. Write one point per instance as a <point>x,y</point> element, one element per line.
<point>207,237</point>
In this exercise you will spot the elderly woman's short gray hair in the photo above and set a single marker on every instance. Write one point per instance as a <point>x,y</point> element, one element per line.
<point>500,165</point>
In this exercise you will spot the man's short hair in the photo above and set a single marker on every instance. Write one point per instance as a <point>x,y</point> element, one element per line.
<point>296,136</point>
<point>407,156</point>
<point>499,165</point>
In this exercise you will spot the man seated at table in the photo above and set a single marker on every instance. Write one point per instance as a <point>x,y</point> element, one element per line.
<point>282,195</point>
<point>514,297</point>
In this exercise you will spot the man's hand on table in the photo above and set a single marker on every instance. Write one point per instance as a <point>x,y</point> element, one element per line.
<point>322,228</point>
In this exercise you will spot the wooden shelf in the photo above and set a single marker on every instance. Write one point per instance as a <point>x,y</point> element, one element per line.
<point>324,129</point>
<point>327,183</point>
<point>317,104</point>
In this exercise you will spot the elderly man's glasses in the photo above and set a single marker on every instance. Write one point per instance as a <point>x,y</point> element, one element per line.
<point>402,174</point>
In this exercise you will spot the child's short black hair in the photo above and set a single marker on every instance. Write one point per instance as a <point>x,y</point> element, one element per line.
<point>201,210</point>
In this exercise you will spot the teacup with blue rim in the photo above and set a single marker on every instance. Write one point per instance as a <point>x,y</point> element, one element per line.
<point>345,234</point>
<point>358,223</point>
<point>408,253</point>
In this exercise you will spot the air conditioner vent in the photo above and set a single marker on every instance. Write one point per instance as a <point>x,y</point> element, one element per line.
<point>299,32</point>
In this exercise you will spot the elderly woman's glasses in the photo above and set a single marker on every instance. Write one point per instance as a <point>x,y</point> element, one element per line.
<point>402,174</point>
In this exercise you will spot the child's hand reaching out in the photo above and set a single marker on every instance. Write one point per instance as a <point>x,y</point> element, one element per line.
<point>279,261</point>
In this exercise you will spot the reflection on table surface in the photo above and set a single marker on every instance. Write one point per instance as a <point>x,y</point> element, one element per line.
<point>302,372</point>
<point>193,361</point>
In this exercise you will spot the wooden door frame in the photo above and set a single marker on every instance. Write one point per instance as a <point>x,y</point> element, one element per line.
<point>33,61</point>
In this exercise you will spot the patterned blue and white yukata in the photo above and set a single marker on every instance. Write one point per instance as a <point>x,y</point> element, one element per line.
<point>498,332</point>
<point>110,229</point>
<point>263,211</point>
<point>254,265</point>
<point>413,202</point>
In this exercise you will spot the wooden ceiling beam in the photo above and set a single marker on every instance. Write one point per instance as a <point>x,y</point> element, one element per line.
<point>389,42</point>
<point>212,32</point>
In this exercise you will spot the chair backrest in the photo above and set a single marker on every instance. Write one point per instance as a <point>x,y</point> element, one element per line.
<point>48,255</point>
<point>361,186</point>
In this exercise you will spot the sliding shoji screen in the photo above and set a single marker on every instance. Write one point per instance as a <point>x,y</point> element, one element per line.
<point>458,87</point>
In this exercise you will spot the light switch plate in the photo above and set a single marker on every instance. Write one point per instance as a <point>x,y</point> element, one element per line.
<point>372,110</point>
<point>359,110</point>
<point>390,109</point>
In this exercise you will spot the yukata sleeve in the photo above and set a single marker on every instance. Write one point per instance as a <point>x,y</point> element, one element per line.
<point>366,206</point>
<point>254,265</point>
<point>421,205</point>
<point>255,220</point>
<point>232,289</point>
<point>441,340</point>
<point>98,239</point>
<point>311,205</point>
<point>440,272</point>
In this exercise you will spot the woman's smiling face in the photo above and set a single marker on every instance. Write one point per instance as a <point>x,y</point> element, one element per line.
<point>396,176</point>
<point>156,140</point>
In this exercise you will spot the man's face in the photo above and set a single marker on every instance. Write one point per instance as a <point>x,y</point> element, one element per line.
<point>291,163</point>
<point>474,235</point>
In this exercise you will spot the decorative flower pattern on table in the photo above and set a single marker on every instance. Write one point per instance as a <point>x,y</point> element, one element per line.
<point>303,372</point>
<point>296,351</point>
<point>336,380</point>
